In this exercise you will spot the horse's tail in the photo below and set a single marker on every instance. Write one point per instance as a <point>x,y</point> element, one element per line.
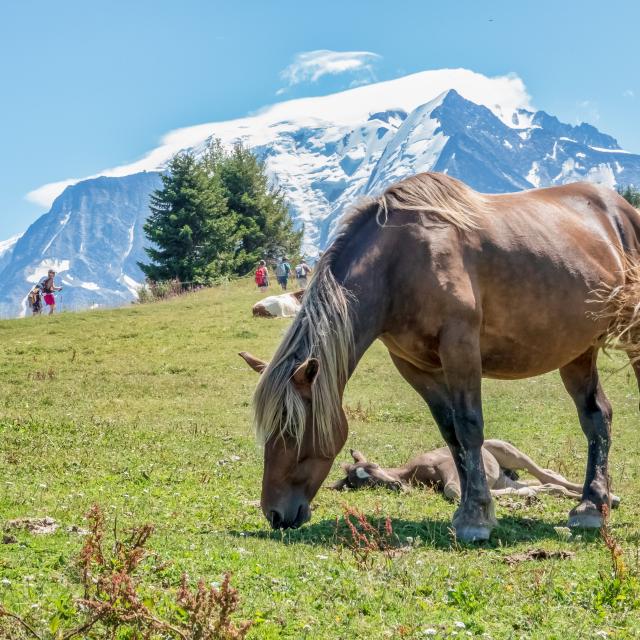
<point>620,305</point>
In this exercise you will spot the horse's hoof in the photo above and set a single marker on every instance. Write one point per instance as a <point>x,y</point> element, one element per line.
<point>473,533</point>
<point>587,519</point>
<point>615,501</point>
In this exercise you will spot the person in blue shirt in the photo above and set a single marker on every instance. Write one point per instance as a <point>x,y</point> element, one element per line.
<point>283,269</point>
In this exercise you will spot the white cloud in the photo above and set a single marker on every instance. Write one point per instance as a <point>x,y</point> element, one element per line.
<point>310,66</point>
<point>628,93</point>
<point>46,194</point>
<point>348,107</point>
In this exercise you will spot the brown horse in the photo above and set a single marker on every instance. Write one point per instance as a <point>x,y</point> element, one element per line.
<point>457,285</point>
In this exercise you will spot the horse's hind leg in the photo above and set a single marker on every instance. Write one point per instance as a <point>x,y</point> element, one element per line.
<point>635,365</point>
<point>580,378</point>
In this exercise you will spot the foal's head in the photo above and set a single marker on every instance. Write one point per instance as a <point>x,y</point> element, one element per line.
<point>366,474</point>
<point>296,463</point>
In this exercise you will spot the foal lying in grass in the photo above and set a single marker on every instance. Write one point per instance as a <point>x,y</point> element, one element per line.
<point>436,468</point>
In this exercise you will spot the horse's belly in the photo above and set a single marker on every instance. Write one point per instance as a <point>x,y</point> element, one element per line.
<point>537,321</point>
<point>513,356</point>
<point>509,354</point>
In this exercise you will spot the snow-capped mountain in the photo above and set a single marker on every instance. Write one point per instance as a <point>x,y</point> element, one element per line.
<point>6,249</point>
<point>326,154</point>
<point>92,238</point>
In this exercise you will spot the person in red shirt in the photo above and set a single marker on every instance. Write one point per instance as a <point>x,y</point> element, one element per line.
<point>262,276</point>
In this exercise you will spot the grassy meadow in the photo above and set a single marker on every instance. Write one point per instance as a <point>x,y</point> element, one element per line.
<point>146,411</point>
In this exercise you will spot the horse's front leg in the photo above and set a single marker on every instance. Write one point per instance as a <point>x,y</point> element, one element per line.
<point>462,365</point>
<point>580,378</point>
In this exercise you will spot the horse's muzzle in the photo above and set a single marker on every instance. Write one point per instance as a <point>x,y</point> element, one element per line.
<point>291,518</point>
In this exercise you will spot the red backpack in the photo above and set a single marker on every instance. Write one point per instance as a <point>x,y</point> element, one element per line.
<point>261,277</point>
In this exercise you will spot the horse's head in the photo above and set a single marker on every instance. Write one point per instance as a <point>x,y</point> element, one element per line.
<point>296,467</point>
<point>365,474</point>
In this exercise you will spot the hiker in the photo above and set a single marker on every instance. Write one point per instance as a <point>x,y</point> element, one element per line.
<point>262,276</point>
<point>34,299</point>
<point>302,272</point>
<point>48,287</point>
<point>282,272</point>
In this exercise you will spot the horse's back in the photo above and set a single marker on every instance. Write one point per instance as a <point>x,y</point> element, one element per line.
<point>543,253</point>
<point>522,279</point>
<point>577,218</point>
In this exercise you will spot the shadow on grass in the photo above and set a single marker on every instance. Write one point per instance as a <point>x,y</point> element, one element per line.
<point>436,534</point>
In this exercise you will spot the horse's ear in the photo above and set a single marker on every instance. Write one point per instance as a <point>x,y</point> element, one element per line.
<point>306,373</point>
<point>357,456</point>
<point>255,363</point>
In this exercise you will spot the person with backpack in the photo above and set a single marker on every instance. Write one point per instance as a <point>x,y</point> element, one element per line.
<point>302,272</point>
<point>35,301</point>
<point>262,276</point>
<point>282,272</point>
<point>48,288</point>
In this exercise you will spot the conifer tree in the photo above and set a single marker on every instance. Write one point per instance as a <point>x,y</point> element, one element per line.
<point>631,195</point>
<point>265,228</point>
<point>193,233</point>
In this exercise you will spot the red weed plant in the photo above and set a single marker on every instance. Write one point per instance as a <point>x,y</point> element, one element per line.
<point>113,603</point>
<point>209,611</point>
<point>619,589</point>
<point>613,546</point>
<point>364,539</point>
<point>110,582</point>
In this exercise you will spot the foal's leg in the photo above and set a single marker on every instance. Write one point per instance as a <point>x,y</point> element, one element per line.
<point>580,378</point>
<point>531,490</point>
<point>510,457</point>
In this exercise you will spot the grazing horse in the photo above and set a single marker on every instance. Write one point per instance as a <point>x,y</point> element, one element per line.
<point>437,469</point>
<point>459,286</point>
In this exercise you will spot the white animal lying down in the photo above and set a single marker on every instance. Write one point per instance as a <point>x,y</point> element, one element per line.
<point>436,468</point>
<point>285,305</point>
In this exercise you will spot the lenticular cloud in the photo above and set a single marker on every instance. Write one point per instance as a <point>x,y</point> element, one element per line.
<point>310,66</point>
<point>501,94</point>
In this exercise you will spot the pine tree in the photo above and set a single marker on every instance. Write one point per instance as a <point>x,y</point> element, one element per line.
<point>631,195</point>
<point>192,231</point>
<point>265,228</point>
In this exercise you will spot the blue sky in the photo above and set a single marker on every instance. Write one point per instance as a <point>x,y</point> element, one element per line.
<point>89,85</point>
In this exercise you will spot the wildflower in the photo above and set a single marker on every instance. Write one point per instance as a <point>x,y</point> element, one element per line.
<point>563,532</point>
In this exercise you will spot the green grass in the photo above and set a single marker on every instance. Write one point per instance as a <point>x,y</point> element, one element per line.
<point>146,411</point>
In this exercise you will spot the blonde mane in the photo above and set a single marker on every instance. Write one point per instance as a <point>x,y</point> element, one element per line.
<point>322,329</point>
<point>436,195</point>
